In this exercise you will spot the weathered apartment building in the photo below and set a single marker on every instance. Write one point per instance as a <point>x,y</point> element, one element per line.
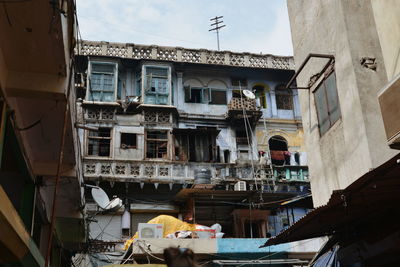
<point>347,63</point>
<point>170,131</point>
<point>36,89</point>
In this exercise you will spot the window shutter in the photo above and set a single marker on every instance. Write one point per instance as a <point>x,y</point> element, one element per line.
<point>322,109</point>
<point>148,82</point>
<point>332,96</point>
<point>187,93</point>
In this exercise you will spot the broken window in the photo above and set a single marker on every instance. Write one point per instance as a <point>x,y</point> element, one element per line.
<point>197,146</point>
<point>205,95</point>
<point>327,103</point>
<point>99,142</point>
<point>284,98</point>
<point>157,144</point>
<point>128,140</point>
<point>102,81</point>
<point>156,85</point>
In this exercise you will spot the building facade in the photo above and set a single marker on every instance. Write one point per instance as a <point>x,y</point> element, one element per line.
<point>36,82</point>
<point>170,131</point>
<point>346,55</point>
<point>343,126</point>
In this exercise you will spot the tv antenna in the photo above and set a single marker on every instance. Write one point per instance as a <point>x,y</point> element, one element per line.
<point>215,26</point>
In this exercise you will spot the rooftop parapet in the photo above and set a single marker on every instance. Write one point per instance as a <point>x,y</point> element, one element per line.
<point>179,54</point>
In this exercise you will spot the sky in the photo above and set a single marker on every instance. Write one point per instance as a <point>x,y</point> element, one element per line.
<point>256,26</point>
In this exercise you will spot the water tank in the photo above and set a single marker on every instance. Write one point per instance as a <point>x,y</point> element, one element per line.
<point>202,176</point>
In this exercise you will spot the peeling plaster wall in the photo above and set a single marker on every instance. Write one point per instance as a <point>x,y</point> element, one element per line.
<point>132,153</point>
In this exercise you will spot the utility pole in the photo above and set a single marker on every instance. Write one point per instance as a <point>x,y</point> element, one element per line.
<point>216,24</point>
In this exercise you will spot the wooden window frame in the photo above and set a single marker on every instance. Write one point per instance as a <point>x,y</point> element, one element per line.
<point>99,138</point>
<point>148,79</point>
<point>89,95</point>
<point>287,93</point>
<point>147,139</point>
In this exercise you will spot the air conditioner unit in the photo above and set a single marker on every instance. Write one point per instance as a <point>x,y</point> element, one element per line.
<point>150,230</point>
<point>389,100</point>
<point>240,186</point>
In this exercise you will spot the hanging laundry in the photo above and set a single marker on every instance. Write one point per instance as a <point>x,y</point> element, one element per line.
<point>277,155</point>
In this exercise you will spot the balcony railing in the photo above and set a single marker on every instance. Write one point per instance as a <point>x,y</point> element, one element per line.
<point>174,172</point>
<point>179,54</point>
<point>237,103</point>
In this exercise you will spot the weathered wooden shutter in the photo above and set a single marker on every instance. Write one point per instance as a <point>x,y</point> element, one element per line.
<point>187,91</point>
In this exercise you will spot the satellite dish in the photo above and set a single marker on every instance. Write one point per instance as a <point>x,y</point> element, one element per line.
<point>115,204</point>
<point>101,198</point>
<point>249,94</point>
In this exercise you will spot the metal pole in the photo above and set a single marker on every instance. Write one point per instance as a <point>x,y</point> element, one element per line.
<point>218,38</point>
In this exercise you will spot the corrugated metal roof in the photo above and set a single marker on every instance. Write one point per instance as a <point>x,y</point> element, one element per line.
<point>370,196</point>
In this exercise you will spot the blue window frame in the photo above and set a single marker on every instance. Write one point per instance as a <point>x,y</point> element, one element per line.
<point>102,81</point>
<point>157,85</point>
<point>205,95</point>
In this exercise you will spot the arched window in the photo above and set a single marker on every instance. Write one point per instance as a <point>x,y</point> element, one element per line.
<point>284,98</point>
<point>259,91</point>
<point>279,150</point>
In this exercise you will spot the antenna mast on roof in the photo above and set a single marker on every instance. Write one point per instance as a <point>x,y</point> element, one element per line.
<point>216,24</point>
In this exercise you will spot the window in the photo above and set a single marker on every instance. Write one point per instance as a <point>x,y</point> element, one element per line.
<point>99,142</point>
<point>156,85</point>
<point>205,95</point>
<point>284,98</point>
<point>327,103</point>
<point>218,97</point>
<point>102,82</point>
<point>157,144</point>
<point>238,82</point>
<point>241,138</point>
<point>197,146</point>
<point>128,140</point>
<point>260,94</point>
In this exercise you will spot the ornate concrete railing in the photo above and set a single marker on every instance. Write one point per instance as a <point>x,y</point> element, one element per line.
<point>169,172</point>
<point>180,54</point>
<point>141,171</point>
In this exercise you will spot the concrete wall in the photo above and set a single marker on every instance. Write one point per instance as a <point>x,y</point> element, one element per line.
<point>107,228</point>
<point>356,143</point>
<point>387,20</point>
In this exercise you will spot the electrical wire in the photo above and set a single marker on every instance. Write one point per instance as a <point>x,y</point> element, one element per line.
<point>247,135</point>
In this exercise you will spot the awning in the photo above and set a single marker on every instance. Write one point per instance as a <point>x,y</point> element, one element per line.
<point>375,194</point>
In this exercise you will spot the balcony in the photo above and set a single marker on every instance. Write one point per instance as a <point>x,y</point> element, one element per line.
<point>168,172</point>
<point>240,108</point>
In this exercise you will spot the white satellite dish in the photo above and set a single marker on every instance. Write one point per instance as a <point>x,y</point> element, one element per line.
<point>101,198</point>
<point>249,94</point>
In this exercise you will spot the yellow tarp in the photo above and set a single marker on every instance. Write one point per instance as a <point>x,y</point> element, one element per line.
<point>170,226</point>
